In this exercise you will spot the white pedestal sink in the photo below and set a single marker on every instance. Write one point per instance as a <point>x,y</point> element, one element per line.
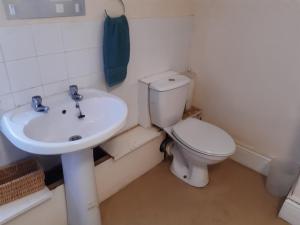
<point>50,133</point>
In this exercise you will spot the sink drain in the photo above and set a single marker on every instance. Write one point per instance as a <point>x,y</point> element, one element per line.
<point>75,138</point>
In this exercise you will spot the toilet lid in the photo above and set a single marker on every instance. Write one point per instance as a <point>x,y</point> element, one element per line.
<point>204,137</point>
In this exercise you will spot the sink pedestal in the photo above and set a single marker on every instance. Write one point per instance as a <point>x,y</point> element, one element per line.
<point>105,115</point>
<point>80,188</point>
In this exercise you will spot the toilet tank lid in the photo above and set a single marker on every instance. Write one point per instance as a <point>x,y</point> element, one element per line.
<point>169,83</point>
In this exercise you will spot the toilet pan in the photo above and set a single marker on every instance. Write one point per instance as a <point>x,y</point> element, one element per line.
<point>196,145</point>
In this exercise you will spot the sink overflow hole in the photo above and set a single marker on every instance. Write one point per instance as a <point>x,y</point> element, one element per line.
<point>75,138</point>
<point>64,111</point>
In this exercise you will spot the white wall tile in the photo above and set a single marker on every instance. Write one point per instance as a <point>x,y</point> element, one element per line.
<point>17,42</point>
<point>56,88</point>
<point>24,97</point>
<point>24,74</point>
<point>83,62</point>
<point>82,82</point>
<point>4,82</point>
<point>1,55</point>
<point>129,94</point>
<point>149,47</point>
<point>81,35</point>
<point>91,81</point>
<point>53,68</point>
<point>6,103</point>
<point>98,82</point>
<point>47,38</point>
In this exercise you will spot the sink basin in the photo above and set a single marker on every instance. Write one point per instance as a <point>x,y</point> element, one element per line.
<point>63,131</point>
<point>50,133</point>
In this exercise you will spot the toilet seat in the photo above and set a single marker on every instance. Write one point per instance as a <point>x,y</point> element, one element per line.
<point>203,137</point>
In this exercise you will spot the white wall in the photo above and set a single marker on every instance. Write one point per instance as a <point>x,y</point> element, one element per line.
<point>43,57</point>
<point>247,57</point>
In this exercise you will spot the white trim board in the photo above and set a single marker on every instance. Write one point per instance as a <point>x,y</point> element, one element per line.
<point>290,212</point>
<point>253,160</point>
<point>130,141</point>
<point>13,209</point>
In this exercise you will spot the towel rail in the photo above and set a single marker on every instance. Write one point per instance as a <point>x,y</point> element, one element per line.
<point>123,5</point>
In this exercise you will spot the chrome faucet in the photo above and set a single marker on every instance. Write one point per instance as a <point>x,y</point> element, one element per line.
<point>73,92</point>
<point>36,104</point>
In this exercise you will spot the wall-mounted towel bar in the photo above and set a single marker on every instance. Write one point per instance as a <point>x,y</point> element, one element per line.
<point>123,5</point>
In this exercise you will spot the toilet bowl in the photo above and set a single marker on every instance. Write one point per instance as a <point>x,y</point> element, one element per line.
<point>197,144</point>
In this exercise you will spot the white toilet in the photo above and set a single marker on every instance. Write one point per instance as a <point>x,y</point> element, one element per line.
<point>196,143</point>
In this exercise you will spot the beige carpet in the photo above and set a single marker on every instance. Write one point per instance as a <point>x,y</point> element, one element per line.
<point>234,196</point>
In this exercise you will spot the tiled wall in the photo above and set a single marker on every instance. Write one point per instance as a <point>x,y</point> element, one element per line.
<point>44,59</point>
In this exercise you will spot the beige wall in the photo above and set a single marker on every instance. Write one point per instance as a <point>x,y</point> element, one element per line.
<point>134,9</point>
<point>247,57</point>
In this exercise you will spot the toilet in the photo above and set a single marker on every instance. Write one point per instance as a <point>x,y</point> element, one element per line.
<point>197,144</point>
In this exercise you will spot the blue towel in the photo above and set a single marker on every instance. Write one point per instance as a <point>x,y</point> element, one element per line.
<point>116,49</point>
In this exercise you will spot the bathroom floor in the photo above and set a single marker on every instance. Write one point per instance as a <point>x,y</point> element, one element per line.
<point>234,196</point>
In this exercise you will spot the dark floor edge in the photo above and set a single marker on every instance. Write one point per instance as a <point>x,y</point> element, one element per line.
<point>54,177</point>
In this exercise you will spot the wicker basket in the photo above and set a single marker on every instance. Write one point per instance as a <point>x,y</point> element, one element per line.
<point>20,179</point>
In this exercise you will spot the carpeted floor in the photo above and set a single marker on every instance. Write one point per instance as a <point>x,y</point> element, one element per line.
<point>234,196</point>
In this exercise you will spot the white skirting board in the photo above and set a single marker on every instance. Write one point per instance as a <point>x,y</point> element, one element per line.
<point>290,212</point>
<point>51,212</point>
<point>249,158</point>
<point>20,206</point>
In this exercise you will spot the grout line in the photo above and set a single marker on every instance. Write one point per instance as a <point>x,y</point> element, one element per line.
<point>60,25</point>
<point>53,53</point>
<point>9,81</point>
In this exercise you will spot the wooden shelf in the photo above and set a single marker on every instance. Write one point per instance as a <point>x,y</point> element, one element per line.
<point>193,112</point>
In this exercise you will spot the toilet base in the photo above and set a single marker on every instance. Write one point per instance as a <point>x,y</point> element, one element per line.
<point>194,175</point>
